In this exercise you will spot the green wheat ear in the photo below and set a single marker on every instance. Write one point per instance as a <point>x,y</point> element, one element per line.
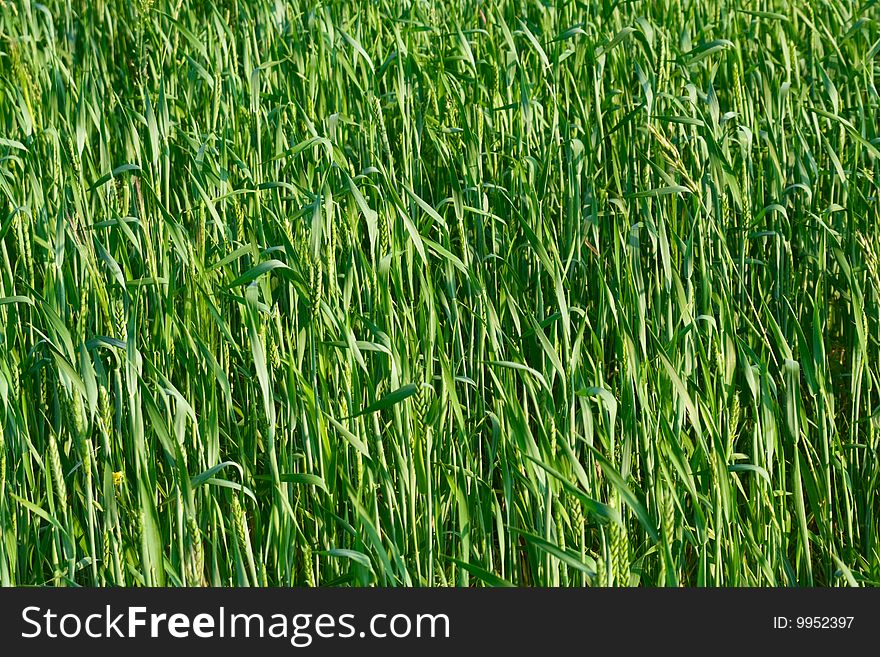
<point>195,564</point>
<point>57,474</point>
<point>119,320</point>
<point>619,548</point>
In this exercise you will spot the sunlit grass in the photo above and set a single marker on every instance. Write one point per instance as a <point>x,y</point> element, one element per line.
<point>439,293</point>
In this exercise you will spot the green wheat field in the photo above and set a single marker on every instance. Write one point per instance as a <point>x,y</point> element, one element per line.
<point>451,293</point>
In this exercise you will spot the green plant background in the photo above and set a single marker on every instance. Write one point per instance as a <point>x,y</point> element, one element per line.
<point>439,293</point>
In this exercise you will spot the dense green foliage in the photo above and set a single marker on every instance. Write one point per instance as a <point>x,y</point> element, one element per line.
<point>439,293</point>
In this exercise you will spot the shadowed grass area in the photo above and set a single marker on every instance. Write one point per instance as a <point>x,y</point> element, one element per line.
<point>439,293</point>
